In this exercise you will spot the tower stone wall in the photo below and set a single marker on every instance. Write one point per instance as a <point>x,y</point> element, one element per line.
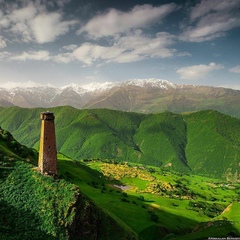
<point>47,161</point>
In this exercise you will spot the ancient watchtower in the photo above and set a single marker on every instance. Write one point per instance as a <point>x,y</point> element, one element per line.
<point>47,161</point>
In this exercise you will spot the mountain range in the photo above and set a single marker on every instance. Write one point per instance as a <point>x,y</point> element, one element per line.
<point>205,142</point>
<point>136,95</point>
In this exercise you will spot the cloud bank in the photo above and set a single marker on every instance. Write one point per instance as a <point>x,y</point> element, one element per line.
<point>211,19</point>
<point>116,22</point>
<point>235,69</point>
<point>126,42</point>
<point>33,23</point>
<point>196,72</point>
<point>46,31</point>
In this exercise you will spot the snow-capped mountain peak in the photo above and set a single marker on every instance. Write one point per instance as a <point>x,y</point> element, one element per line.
<point>90,87</point>
<point>30,94</point>
<point>152,82</point>
<point>100,87</point>
<point>95,86</point>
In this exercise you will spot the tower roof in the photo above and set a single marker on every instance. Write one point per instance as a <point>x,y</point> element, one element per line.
<point>47,115</point>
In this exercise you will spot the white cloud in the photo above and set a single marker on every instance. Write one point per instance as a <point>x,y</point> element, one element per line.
<point>69,47</point>
<point>33,23</point>
<point>61,3</point>
<point>22,29</point>
<point>3,43</point>
<point>4,21</point>
<point>146,46</point>
<point>114,21</point>
<point>63,58</point>
<point>198,71</point>
<point>47,27</point>
<point>131,48</point>
<point>32,55</point>
<point>89,53</point>
<point>23,14</point>
<point>235,69</point>
<point>28,84</point>
<point>124,30</point>
<point>211,19</point>
<point>207,6</point>
<point>184,54</point>
<point>4,56</point>
<point>128,57</point>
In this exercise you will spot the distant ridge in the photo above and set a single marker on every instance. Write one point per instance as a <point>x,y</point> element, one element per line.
<point>137,95</point>
<point>151,82</point>
<point>4,103</point>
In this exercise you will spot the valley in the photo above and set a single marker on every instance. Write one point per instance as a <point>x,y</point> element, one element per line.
<point>159,204</point>
<point>206,143</point>
<point>119,120</point>
<point>142,176</point>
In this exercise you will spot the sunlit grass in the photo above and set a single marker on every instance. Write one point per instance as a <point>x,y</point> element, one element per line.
<point>135,206</point>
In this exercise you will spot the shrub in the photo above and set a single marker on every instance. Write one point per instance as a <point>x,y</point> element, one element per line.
<point>141,198</point>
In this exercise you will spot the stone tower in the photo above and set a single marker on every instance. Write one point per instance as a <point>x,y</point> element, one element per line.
<point>47,160</point>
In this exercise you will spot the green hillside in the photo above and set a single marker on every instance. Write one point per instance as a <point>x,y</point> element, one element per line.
<point>102,200</point>
<point>36,207</point>
<point>213,147</point>
<point>205,142</point>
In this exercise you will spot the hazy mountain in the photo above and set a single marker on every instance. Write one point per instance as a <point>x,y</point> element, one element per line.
<point>4,103</point>
<point>138,95</point>
<point>49,96</point>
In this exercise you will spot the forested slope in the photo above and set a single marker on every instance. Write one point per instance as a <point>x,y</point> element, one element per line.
<point>204,142</point>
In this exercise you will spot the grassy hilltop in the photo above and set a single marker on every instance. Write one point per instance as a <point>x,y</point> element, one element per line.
<point>205,142</point>
<point>36,207</point>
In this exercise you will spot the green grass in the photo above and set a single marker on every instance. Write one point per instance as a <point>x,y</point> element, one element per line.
<point>25,195</point>
<point>158,203</point>
<point>135,206</point>
<point>213,154</point>
<point>231,212</point>
<point>204,143</point>
<point>37,207</point>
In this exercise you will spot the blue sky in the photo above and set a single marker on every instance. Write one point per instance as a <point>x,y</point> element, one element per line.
<point>60,42</point>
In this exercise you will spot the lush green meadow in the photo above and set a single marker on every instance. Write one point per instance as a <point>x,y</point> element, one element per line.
<point>158,204</point>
